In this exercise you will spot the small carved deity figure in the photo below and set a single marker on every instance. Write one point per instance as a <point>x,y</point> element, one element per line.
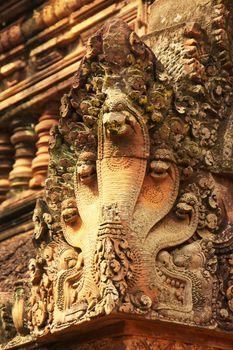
<point>69,211</point>
<point>41,219</point>
<point>86,168</point>
<point>69,282</point>
<point>37,313</point>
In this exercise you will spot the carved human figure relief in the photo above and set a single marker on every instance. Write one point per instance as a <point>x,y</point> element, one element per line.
<point>128,222</point>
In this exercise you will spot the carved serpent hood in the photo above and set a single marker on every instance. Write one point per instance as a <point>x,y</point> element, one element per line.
<point>122,205</point>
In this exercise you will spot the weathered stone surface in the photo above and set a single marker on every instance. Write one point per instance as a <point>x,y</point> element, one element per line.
<point>133,219</point>
<point>136,217</point>
<point>192,41</point>
<point>125,332</point>
<point>15,254</point>
<point>7,329</point>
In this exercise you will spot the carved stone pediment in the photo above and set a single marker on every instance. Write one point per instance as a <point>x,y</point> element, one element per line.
<point>132,218</point>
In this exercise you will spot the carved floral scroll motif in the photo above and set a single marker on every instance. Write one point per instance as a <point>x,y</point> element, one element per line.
<point>128,223</point>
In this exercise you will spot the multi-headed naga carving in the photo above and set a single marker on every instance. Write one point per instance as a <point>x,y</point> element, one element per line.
<point>127,223</point>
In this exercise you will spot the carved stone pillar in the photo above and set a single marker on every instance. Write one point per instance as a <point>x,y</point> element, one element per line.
<point>23,139</point>
<point>6,160</point>
<point>40,162</point>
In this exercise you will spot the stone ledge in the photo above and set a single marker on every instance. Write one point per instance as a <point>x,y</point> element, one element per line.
<point>123,326</point>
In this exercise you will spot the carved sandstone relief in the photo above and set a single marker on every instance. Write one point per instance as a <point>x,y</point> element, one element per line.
<point>132,215</point>
<point>142,343</point>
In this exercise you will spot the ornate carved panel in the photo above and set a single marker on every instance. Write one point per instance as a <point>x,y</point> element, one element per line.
<point>133,220</point>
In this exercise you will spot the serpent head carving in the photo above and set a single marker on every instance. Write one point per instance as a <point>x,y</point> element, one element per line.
<point>123,193</point>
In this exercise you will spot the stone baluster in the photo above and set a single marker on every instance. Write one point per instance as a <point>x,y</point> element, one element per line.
<point>6,161</point>
<point>23,139</point>
<point>40,162</point>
